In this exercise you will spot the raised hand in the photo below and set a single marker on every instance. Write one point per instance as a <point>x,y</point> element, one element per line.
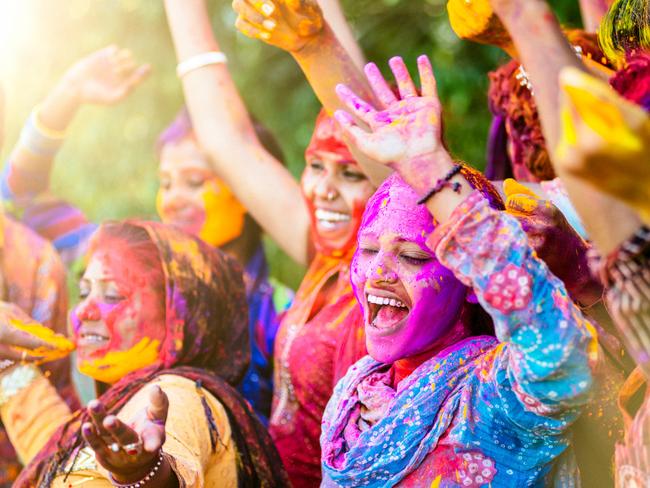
<point>554,240</point>
<point>407,134</point>
<point>129,452</point>
<point>105,76</point>
<point>477,21</point>
<point>605,140</point>
<point>21,339</point>
<point>287,24</point>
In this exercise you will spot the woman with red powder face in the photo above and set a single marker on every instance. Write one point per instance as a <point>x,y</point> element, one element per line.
<point>439,401</point>
<point>190,197</point>
<point>162,329</point>
<point>315,222</point>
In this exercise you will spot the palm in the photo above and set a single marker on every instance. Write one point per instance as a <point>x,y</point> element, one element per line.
<point>106,76</point>
<point>405,130</point>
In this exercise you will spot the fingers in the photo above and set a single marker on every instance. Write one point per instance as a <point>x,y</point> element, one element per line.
<point>523,204</point>
<point>428,84</point>
<point>8,352</point>
<point>346,121</point>
<point>404,81</point>
<point>379,85</point>
<point>97,413</point>
<point>11,336</point>
<point>119,431</point>
<point>267,8</point>
<point>245,10</point>
<point>251,30</point>
<point>138,75</point>
<point>158,405</point>
<point>92,437</point>
<point>357,106</point>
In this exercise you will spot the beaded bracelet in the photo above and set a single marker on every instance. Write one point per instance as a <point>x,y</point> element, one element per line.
<point>144,480</point>
<point>442,183</point>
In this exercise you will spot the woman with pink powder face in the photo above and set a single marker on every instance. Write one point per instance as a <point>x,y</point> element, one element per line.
<point>440,401</point>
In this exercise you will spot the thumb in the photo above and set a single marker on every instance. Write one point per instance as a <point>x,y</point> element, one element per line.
<point>158,405</point>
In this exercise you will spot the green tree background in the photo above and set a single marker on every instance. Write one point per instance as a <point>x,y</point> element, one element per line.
<point>108,165</point>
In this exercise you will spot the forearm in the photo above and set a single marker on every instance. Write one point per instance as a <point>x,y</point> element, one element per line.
<point>552,346</point>
<point>534,30</point>
<point>225,132</point>
<point>32,412</point>
<point>335,17</point>
<point>592,13</point>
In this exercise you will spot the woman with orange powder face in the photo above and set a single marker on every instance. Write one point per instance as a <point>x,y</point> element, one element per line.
<point>190,197</point>
<point>318,338</point>
<point>162,328</point>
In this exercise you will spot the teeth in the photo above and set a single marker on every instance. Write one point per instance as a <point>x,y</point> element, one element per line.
<point>385,301</point>
<point>328,216</point>
<point>94,338</point>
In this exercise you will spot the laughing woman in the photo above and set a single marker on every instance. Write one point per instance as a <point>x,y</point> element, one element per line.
<point>438,402</point>
<point>162,329</point>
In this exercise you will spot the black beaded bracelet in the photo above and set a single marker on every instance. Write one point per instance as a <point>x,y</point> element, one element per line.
<point>442,183</point>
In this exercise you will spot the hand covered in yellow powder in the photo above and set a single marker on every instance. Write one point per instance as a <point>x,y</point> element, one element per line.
<point>476,20</point>
<point>105,76</point>
<point>21,339</point>
<point>129,452</point>
<point>605,140</point>
<point>554,241</point>
<point>287,24</point>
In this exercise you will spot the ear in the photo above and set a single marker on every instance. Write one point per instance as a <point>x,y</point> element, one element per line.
<point>471,296</point>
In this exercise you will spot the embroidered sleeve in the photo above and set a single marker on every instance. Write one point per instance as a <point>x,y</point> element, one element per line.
<point>549,348</point>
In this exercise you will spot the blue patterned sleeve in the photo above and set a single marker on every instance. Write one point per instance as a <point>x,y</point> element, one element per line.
<point>543,368</point>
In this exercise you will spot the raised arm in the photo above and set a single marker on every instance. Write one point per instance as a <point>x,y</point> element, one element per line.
<point>534,29</point>
<point>299,28</point>
<point>104,77</point>
<point>551,348</point>
<point>593,12</point>
<point>335,17</point>
<point>225,132</point>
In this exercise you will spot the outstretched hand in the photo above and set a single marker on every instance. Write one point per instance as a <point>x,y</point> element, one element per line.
<point>554,241</point>
<point>287,24</point>
<point>407,134</point>
<point>128,451</point>
<point>17,344</point>
<point>605,140</point>
<point>106,76</point>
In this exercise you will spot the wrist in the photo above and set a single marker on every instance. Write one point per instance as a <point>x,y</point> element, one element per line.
<point>315,44</point>
<point>514,14</point>
<point>146,472</point>
<point>428,169</point>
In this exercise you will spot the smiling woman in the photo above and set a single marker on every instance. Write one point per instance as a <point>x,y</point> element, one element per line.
<point>162,327</point>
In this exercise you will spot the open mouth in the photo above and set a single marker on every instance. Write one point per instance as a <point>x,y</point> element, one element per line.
<point>329,219</point>
<point>386,313</point>
<point>87,339</point>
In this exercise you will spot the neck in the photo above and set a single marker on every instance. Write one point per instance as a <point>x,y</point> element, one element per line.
<point>243,247</point>
<point>403,368</point>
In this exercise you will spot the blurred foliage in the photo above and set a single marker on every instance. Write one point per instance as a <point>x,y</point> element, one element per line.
<point>108,165</point>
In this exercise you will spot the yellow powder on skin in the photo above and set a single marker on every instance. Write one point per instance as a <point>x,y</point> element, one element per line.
<point>469,19</point>
<point>117,364</point>
<point>61,346</point>
<point>224,215</point>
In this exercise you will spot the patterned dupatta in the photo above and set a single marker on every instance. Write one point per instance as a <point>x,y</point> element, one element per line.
<point>421,411</point>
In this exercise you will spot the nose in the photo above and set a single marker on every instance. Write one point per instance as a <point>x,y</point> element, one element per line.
<point>382,270</point>
<point>325,188</point>
<point>88,311</point>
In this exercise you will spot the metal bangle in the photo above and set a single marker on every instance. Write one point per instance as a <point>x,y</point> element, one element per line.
<point>143,481</point>
<point>16,380</point>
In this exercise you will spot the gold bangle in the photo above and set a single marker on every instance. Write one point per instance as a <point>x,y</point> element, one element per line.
<point>43,129</point>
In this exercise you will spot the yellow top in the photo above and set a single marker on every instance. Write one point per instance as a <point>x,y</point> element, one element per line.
<point>34,414</point>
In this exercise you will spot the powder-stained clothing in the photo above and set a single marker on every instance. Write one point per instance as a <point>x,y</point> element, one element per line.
<point>33,278</point>
<point>318,340</point>
<point>69,230</point>
<point>485,411</point>
<point>205,341</point>
<point>35,414</point>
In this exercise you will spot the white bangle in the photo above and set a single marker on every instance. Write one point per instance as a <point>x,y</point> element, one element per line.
<point>199,61</point>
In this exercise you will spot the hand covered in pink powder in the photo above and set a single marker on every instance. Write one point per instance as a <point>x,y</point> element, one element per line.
<point>287,24</point>
<point>131,451</point>
<point>407,134</point>
<point>554,240</point>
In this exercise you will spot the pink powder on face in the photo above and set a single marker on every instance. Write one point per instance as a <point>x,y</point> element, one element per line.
<point>435,296</point>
